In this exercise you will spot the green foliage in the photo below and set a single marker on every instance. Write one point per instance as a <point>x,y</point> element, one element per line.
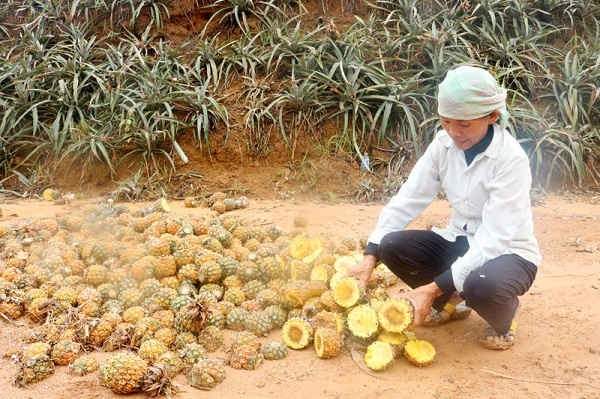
<point>94,82</point>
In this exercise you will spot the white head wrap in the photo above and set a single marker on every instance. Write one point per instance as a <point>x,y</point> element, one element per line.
<point>469,92</point>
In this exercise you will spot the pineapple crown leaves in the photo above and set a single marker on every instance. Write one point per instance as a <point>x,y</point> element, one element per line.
<point>200,306</point>
<point>157,382</point>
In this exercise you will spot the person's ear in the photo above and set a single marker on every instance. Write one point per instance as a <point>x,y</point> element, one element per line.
<point>493,117</point>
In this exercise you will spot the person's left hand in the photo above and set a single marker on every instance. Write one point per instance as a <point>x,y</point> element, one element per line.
<point>422,298</point>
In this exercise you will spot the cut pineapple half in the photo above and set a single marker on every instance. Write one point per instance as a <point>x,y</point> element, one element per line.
<point>379,355</point>
<point>328,343</point>
<point>347,292</point>
<point>419,352</point>
<point>343,263</point>
<point>305,248</point>
<point>395,315</point>
<point>362,322</point>
<point>297,333</point>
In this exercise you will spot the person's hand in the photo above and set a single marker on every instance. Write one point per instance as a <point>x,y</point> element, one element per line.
<point>363,269</point>
<point>422,298</point>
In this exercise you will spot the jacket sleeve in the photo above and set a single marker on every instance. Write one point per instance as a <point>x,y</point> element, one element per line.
<point>414,196</point>
<point>505,211</point>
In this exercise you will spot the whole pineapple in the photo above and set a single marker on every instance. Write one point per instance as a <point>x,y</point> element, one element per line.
<point>274,350</point>
<point>246,357</point>
<point>34,369</point>
<point>194,316</point>
<point>207,373</point>
<point>65,352</point>
<point>123,373</point>
<point>84,365</point>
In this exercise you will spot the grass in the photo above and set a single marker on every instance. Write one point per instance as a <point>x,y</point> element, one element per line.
<point>94,82</point>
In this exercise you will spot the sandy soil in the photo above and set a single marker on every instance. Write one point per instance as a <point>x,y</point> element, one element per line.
<point>557,354</point>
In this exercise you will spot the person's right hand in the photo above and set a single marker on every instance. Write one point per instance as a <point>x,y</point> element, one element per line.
<point>363,269</point>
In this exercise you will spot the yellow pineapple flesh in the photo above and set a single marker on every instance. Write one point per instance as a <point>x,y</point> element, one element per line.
<point>419,352</point>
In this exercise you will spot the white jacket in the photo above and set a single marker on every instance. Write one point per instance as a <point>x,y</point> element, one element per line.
<point>489,199</point>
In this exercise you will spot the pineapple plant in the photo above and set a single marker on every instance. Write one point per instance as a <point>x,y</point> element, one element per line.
<point>419,352</point>
<point>379,355</point>
<point>123,373</point>
<point>297,333</point>
<point>327,342</point>
<point>207,373</point>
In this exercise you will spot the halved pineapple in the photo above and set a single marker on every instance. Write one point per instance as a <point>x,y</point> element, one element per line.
<point>419,352</point>
<point>297,333</point>
<point>347,292</point>
<point>395,315</point>
<point>362,322</point>
<point>328,343</point>
<point>379,355</point>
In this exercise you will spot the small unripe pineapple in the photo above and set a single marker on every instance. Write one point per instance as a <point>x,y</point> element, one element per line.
<point>207,373</point>
<point>245,357</point>
<point>274,350</point>
<point>84,365</point>
<point>152,349</point>
<point>34,369</point>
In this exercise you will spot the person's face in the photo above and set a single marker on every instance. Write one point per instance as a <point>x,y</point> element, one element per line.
<point>467,133</point>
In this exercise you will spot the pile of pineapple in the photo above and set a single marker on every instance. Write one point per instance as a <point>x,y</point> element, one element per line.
<point>160,290</point>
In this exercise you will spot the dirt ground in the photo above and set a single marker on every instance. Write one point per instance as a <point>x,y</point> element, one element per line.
<point>557,354</point>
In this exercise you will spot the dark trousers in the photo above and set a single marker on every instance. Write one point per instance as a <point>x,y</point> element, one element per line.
<point>492,289</point>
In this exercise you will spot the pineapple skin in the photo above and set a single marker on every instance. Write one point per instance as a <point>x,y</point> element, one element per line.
<point>123,373</point>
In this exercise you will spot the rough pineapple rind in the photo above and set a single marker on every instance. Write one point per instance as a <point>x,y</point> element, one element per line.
<point>328,343</point>
<point>379,355</point>
<point>274,350</point>
<point>207,373</point>
<point>123,373</point>
<point>395,315</point>
<point>297,333</point>
<point>419,352</point>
